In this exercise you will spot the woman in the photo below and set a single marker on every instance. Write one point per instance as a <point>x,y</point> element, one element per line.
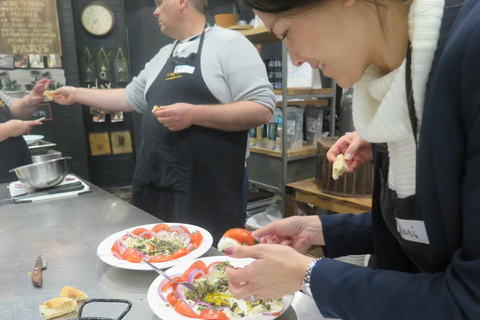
<point>423,101</point>
<point>13,148</point>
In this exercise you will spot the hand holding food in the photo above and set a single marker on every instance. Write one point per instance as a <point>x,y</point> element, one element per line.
<point>65,95</point>
<point>300,233</point>
<point>265,277</point>
<point>212,298</point>
<point>356,151</point>
<point>236,237</point>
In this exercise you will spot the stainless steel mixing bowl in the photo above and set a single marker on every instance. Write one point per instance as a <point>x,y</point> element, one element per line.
<point>43,175</point>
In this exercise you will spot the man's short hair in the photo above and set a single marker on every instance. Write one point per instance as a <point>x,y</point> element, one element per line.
<point>200,5</point>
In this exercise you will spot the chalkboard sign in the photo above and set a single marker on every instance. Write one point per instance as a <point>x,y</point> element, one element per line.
<point>43,110</point>
<point>29,27</point>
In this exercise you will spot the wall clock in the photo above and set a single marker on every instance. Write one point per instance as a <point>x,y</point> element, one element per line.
<point>98,19</point>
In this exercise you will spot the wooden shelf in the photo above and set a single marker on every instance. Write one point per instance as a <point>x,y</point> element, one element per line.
<point>306,150</point>
<point>259,35</point>
<point>300,91</point>
<point>307,102</point>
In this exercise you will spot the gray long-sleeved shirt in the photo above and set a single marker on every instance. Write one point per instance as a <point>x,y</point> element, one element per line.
<point>232,70</point>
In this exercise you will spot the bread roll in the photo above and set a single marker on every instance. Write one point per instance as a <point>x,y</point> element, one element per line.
<point>340,166</point>
<point>48,95</point>
<point>57,307</point>
<point>73,293</point>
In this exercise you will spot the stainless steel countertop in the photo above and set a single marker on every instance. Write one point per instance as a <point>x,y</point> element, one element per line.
<point>67,232</point>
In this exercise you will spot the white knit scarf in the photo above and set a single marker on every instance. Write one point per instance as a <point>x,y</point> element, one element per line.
<point>380,111</point>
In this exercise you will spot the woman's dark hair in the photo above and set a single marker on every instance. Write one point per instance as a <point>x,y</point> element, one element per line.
<point>283,7</point>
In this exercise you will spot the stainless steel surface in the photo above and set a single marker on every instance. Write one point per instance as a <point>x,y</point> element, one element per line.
<point>160,272</point>
<point>68,232</point>
<point>50,155</point>
<point>42,144</point>
<point>43,175</point>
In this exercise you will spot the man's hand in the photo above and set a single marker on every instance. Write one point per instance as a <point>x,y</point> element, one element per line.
<point>36,96</point>
<point>65,95</point>
<point>176,117</point>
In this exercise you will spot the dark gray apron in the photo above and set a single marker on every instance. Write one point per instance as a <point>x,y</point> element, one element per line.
<point>393,207</point>
<point>194,175</point>
<point>13,151</point>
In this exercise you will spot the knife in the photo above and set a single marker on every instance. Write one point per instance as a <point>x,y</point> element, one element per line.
<point>40,264</point>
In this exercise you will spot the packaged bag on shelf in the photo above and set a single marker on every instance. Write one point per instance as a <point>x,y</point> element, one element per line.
<point>314,123</point>
<point>294,127</point>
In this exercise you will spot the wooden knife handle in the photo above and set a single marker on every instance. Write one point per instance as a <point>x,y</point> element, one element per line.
<point>37,277</point>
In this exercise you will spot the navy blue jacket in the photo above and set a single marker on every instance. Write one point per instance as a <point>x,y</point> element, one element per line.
<point>448,189</point>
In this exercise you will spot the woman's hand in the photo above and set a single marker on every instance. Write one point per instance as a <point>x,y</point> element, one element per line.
<point>278,270</point>
<point>300,233</point>
<point>355,150</point>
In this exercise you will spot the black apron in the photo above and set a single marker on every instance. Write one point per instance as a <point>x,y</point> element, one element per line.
<point>394,208</point>
<point>13,151</point>
<point>194,175</point>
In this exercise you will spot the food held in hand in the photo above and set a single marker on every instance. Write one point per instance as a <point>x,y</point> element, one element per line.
<point>73,293</point>
<point>57,307</point>
<point>48,95</point>
<point>211,298</point>
<point>162,243</point>
<point>156,108</point>
<point>236,237</point>
<point>340,166</point>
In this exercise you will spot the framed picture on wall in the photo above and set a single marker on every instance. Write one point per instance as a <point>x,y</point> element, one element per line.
<point>121,142</point>
<point>99,144</point>
<point>54,61</point>
<point>6,61</point>
<point>21,61</point>
<point>36,61</point>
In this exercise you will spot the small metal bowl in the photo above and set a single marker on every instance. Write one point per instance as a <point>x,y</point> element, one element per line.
<point>43,175</point>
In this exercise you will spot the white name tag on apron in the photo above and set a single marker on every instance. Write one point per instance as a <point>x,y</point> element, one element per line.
<point>184,69</point>
<point>412,230</point>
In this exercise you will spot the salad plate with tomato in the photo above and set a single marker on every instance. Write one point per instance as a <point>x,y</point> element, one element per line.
<point>164,244</point>
<point>211,298</point>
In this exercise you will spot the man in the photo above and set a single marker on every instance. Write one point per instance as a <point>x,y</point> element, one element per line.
<point>13,148</point>
<point>211,86</point>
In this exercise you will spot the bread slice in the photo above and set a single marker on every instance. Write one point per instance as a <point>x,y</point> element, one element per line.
<point>340,166</point>
<point>73,293</point>
<point>156,108</point>
<point>48,95</point>
<point>57,307</point>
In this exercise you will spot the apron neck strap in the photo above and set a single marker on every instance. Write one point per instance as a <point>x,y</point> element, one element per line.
<point>409,90</point>
<point>200,46</point>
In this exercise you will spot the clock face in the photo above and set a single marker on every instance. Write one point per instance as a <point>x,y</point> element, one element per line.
<point>98,19</point>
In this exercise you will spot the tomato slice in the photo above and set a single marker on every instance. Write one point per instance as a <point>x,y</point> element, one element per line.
<point>161,258</point>
<point>161,227</point>
<point>180,253</point>
<point>132,255</point>
<point>197,264</point>
<point>241,235</point>
<point>172,299</point>
<point>210,266</point>
<point>199,239</point>
<point>116,249</point>
<point>139,231</point>
<point>182,308</point>
<point>213,314</point>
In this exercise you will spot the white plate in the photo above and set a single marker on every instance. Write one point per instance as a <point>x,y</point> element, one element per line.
<point>159,307</point>
<point>104,250</point>
<point>32,138</point>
